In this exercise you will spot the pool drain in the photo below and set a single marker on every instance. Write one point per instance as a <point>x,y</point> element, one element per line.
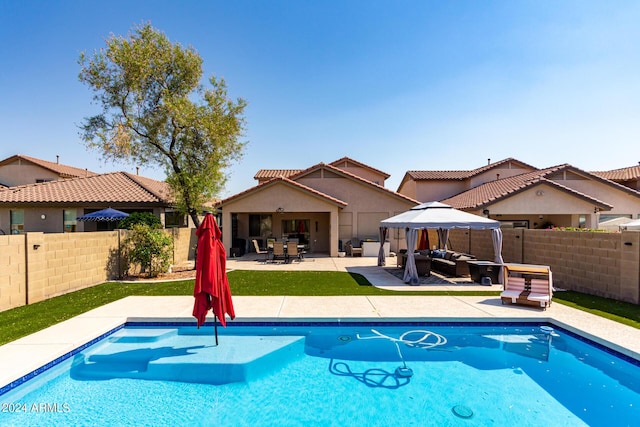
<point>462,411</point>
<point>344,338</point>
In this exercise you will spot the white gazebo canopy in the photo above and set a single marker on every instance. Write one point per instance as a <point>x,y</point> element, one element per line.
<point>436,215</point>
<point>632,225</point>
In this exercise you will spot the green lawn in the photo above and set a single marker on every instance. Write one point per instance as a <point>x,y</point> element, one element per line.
<point>26,320</point>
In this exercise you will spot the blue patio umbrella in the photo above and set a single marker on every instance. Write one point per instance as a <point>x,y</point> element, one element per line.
<point>108,214</point>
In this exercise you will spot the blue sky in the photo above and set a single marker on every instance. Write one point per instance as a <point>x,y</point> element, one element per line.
<point>399,85</point>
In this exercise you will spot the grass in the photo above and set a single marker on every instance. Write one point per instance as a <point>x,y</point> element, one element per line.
<point>32,318</point>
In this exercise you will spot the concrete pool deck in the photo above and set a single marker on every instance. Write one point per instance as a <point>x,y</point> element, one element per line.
<point>26,354</point>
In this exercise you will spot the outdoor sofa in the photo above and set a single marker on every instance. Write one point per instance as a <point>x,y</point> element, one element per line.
<point>451,263</point>
<point>423,261</point>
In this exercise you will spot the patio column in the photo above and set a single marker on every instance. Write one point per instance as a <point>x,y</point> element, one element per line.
<point>227,238</point>
<point>334,226</point>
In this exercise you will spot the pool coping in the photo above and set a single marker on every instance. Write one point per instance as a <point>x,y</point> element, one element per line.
<point>41,349</point>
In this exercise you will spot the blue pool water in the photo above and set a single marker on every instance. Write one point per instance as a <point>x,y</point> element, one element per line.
<point>357,374</point>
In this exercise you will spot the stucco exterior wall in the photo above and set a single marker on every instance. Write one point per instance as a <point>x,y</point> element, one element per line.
<point>623,203</point>
<point>368,205</point>
<point>19,174</point>
<point>429,191</point>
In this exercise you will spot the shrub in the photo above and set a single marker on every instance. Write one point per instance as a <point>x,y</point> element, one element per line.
<point>140,218</point>
<point>150,248</point>
<point>592,230</point>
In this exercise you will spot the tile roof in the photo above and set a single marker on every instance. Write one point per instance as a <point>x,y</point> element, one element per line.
<point>362,165</point>
<point>64,171</point>
<point>266,174</point>
<point>623,174</point>
<point>460,175</point>
<point>115,187</point>
<point>493,191</point>
<point>286,181</point>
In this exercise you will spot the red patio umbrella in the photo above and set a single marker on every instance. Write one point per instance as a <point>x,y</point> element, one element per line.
<point>212,287</point>
<point>424,240</point>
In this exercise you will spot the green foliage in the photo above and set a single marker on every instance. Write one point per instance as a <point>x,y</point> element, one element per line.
<point>591,230</point>
<point>150,248</point>
<point>146,218</point>
<point>154,110</point>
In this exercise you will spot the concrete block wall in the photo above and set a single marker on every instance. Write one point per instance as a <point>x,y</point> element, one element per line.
<point>580,261</point>
<point>482,244</point>
<point>458,240</point>
<point>67,262</point>
<point>630,266</point>
<point>13,267</point>
<point>512,245</point>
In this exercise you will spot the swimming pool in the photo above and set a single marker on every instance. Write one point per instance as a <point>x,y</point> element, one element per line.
<point>340,373</point>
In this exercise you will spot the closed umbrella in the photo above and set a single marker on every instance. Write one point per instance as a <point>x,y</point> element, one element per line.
<point>211,289</point>
<point>424,240</point>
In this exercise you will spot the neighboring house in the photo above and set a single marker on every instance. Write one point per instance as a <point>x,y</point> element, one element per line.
<point>53,206</point>
<point>629,177</point>
<point>21,169</point>
<point>520,195</point>
<point>323,206</point>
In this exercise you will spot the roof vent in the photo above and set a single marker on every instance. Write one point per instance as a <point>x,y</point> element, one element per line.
<point>57,159</point>
<point>497,176</point>
<point>488,161</point>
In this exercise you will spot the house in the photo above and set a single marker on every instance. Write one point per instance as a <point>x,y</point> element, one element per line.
<point>520,195</point>
<point>52,206</point>
<point>629,177</point>
<point>324,206</point>
<point>20,169</point>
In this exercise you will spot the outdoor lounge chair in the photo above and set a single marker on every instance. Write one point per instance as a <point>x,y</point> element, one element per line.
<point>513,288</point>
<point>540,292</point>
<point>260,251</point>
<point>527,284</point>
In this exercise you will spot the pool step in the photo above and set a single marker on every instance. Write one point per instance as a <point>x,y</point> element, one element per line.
<point>189,358</point>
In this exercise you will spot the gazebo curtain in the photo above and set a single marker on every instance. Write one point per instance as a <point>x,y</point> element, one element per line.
<point>410,271</point>
<point>443,238</point>
<point>383,238</point>
<point>496,235</point>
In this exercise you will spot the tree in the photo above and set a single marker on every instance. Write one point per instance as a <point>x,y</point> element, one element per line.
<point>155,111</point>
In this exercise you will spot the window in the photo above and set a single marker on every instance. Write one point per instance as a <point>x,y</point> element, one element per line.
<point>69,220</point>
<point>296,228</point>
<point>259,225</point>
<point>174,219</point>
<point>17,222</point>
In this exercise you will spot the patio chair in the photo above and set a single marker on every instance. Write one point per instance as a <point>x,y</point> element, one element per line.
<point>353,247</point>
<point>293,252</point>
<point>260,251</point>
<point>279,252</point>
